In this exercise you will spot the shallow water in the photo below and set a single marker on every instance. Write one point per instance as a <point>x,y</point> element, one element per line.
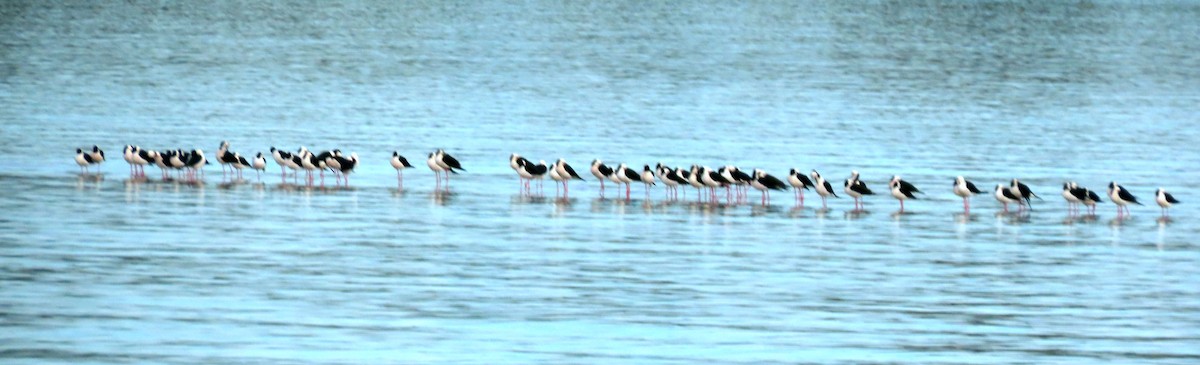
<point>103,268</point>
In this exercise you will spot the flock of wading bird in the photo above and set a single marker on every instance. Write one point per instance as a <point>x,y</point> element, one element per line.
<point>736,183</point>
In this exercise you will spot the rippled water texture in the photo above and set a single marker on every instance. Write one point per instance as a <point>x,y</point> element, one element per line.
<point>102,268</point>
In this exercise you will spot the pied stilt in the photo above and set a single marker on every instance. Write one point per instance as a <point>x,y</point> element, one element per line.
<point>84,160</point>
<point>824,188</point>
<point>1074,195</point>
<point>800,182</point>
<point>239,164</point>
<point>516,161</point>
<point>601,173</point>
<point>1022,191</point>
<point>225,157</point>
<point>1164,200</point>
<point>399,163</point>
<point>764,182</point>
<point>195,163</point>
<point>449,163</point>
<point>567,173</point>
<point>259,165</point>
<point>1121,197</point>
<point>965,189</point>
<point>1090,200</point>
<point>902,190</point>
<point>345,165</point>
<point>1006,196</point>
<point>856,188</point>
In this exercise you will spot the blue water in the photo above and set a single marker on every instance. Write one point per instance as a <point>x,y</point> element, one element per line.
<point>103,268</point>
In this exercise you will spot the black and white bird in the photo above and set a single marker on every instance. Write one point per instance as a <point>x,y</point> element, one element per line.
<point>1090,200</point>
<point>647,179</point>
<point>259,164</point>
<point>1005,196</point>
<point>965,189</point>
<point>97,155</point>
<point>345,165</point>
<point>627,176</point>
<point>399,163</point>
<point>693,179</point>
<point>1021,190</point>
<point>902,190</point>
<point>239,164</point>
<point>128,153</point>
<point>738,180</point>
<point>225,157</point>
<point>663,174</point>
<point>142,158</point>
<point>515,161</point>
<point>567,171</point>
<point>84,160</point>
<point>281,158</point>
<point>764,182</point>
<point>448,162</point>
<point>1164,200</point>
<point>713,180</point>
<point>601,172</point>
<point>856,188</point>
<point>195,163</point>
<point>800,182</point>
<point>1074,195</point>
<point>1121,197</point>
<point>824,188</point>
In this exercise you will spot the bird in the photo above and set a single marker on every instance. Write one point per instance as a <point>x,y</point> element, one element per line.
<point>516,161</point>
<point>196,162</point>
<point>127,153</point>
<point>345,165</point>
<point>712,180</point>
<point>824,188</point>
<point>647,178</point>
<point>239,164</point>
<point>176,162</point>
<point>437,168</point>
<point>1164,200</point>
<point>965,189</point>
<point>97,155</point>
<point>800,182</point>
<point>764,182</point>
<point>855,188</point>
<point>601,173</point>
<point>310,163</point>
<point>567,173</point>
<point>281,158</point>
<point>902,190</point>
<point>449,163</point>
<point>680,177</point>
<point>1121,197</point>
<point>539,172</point>
<point>399,163</point>
<point>1005,196</point>
<point>84,160</point>
<point>1090,200</point>
<point>738,180</point>
<point>662,172</point>
<point>1022,191</point>
<point>627,176</point>
<point>142,158</point>
<point>224,157</point>
<point>259,164</point>
<point>693,179</point>
<point>1074,195</point>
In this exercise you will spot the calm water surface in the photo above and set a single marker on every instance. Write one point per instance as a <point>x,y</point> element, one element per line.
<point>106,269</point>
